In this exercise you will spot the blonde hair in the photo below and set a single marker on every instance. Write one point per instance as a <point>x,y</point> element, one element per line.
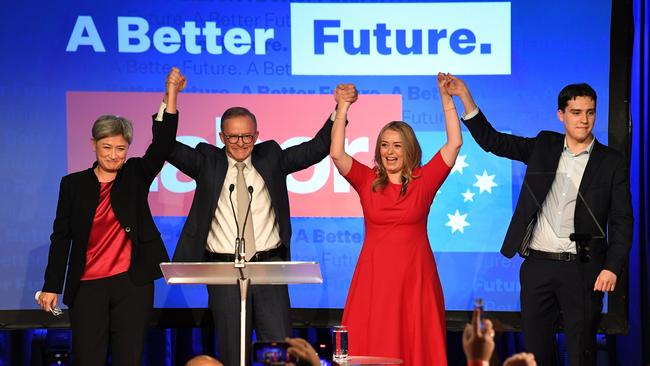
<point>411,151</point>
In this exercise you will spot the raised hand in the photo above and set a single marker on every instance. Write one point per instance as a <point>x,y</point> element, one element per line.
<point>443,82</point>
<point>346,94</point>
<point>174,84</point>
<point>457,87</point>
<point>451,148</point>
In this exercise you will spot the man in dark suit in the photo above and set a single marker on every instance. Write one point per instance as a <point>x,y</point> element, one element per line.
<point>211,229</point>
<point>573,184</point>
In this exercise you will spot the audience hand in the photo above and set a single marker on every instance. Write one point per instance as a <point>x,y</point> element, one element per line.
<point>478,344</point>
<point>303,351</point>
<point>203,360</point>
<point>521,359</point>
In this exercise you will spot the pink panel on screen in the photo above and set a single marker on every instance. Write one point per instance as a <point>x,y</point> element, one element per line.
<point>280,117</point>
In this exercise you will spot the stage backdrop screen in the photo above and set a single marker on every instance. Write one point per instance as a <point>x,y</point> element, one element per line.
<point>65,64</point>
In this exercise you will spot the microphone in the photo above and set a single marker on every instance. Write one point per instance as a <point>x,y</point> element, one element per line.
<point>582,245</point>
<point>248,210</point>
<point>231,188</point>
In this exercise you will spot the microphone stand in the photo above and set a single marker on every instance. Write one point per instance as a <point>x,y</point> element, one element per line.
<point>240,264</point>
<point>582,245</point>
<point>240,260</point>
<point>242,240</point>
<point>582,250</point>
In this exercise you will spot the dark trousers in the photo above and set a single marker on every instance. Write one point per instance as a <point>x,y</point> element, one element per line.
<point>114,309</point>
<point>552,288</point>
<point>267,311</point>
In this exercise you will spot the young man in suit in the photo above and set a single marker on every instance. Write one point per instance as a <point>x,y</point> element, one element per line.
<point>211,228</point>
<point>573,184</point>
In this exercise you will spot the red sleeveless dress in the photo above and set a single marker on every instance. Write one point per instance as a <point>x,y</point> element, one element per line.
<point>395,306</point>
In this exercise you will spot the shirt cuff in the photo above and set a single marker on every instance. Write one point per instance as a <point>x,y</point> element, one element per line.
<point>470,115</point>
<point>333,116</point>
<point>161,111</point>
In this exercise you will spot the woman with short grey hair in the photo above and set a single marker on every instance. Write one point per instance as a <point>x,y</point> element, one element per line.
<point>105,246</point>
<point>110,125</point>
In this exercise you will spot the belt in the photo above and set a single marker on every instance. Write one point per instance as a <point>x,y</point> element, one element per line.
<point>563,256</point>
<point>257,257</point>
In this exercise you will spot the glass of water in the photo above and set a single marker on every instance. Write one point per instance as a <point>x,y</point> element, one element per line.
<point>340,343</point>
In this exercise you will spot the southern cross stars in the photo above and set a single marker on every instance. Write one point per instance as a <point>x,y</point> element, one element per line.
<point>485,182</point>
<point>459,165</point>
<point>457,222</point>
<point>468,196</point>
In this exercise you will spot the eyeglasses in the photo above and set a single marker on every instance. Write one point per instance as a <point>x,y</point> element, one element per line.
<point>233,139</point>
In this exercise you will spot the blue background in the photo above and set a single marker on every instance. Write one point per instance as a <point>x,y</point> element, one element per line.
<point>547,53</point>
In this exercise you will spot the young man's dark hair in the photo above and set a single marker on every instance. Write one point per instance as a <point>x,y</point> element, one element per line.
<point>572,91</point>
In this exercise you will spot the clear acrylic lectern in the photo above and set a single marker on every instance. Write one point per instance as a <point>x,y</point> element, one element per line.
<point>256,273</point>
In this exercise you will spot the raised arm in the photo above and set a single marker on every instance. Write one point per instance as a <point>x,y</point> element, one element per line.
<point>164,133</point>
<point>174,84</point>
<point>487,137</point>
<point>450,149</point>
<point>457,87</point>
<point>345,95</point>
<point>186,159</point>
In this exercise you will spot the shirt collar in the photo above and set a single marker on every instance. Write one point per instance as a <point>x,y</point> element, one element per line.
<point>232,162</point>
<point>587,150</point>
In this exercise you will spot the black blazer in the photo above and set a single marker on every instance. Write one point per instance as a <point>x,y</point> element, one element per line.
<point>207,165</point>
<point>605,187</point>
<point>78,199</point>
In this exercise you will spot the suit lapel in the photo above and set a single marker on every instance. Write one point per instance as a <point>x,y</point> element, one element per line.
<point>553,157</point>
<point>595,159</point>
<point>88,201</point>
<point>543,175</point>
<point>220,171</point>
<point>263,169</point>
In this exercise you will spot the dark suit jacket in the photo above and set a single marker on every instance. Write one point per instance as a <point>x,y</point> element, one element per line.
<point>605,188</point>
<point>78,199</point>
<point>207,165</point>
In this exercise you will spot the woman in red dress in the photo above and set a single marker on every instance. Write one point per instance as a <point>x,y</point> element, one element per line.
<point>395,306</point>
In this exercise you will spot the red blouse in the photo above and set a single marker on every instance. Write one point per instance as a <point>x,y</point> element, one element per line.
<point>109,247</point>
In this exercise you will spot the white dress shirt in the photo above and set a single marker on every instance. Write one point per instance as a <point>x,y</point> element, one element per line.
<point>555,220</point>
<point>223,229</point>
